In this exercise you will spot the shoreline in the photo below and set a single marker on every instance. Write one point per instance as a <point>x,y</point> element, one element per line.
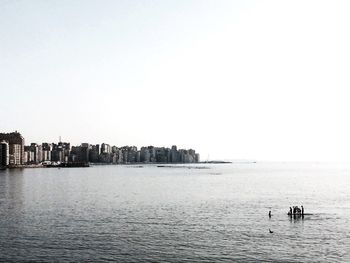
<point>86,165</point>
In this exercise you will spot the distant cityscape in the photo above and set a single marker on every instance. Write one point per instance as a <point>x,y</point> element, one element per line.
<point>14,153</point>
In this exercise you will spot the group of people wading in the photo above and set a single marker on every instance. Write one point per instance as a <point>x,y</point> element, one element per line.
<point>296,211</point>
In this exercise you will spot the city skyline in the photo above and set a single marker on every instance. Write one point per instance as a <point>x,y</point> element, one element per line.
<point>251,80</point>
<point>14,152</point>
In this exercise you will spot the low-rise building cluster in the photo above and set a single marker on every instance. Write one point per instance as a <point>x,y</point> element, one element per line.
<point>13,152</point>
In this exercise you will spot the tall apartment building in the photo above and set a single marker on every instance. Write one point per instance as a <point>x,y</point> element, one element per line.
<point>106,148</point>
<point>174,155</point>
<point>16,147</point>
<point>145,155</point>
<point>80,153</point>
<point>33,154</point>
<point>47,148</point>
<point>60,152</point>
<point>94,153</point>
<point>4,154</point>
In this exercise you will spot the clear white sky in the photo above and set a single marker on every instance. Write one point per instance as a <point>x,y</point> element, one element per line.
<point>264,80</point>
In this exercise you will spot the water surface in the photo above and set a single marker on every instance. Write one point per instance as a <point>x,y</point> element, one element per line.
<point>169,214</point>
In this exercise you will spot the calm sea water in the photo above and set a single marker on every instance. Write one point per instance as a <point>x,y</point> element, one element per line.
<point>167,214</point>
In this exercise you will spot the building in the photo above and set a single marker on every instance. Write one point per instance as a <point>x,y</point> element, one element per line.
<point>174,155</point>
<point>161,155</point>
<point>105,158</point>
<point>84,153</point>
<point>4,154</point>
<point>16,147</point>
<point>46,151</point>
<point>60,152</point>
<point>94,153</point>
<point>106,148</point>
<point>138,156</point>
<point>16,154</point>
<point>119,156</point>
<point>197,158</point>
<point>145,155</point>
<point>80,153</point>
<point>28,155</point>
<point>152,153</point>
<point>35,155</point>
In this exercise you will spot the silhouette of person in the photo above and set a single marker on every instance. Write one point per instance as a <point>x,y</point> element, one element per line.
<point>290,211</point>
<point>270,214</point>
<point>302,210</point>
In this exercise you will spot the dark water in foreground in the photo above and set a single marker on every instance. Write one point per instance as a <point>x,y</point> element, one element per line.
<point>151,214</point>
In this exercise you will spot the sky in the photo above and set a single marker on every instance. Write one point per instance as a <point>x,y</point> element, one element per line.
<point>247,80</point>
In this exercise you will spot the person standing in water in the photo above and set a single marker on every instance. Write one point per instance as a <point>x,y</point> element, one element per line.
<point>270,214</point>
<point>302,210</point>
<point>290,211</point>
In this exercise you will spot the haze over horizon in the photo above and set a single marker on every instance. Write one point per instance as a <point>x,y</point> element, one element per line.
<point>255,80</point>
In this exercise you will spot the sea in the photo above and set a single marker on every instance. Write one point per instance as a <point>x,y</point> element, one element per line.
<point>176,213</point>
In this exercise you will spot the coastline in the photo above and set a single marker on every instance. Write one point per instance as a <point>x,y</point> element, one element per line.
<point>86,165</point>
